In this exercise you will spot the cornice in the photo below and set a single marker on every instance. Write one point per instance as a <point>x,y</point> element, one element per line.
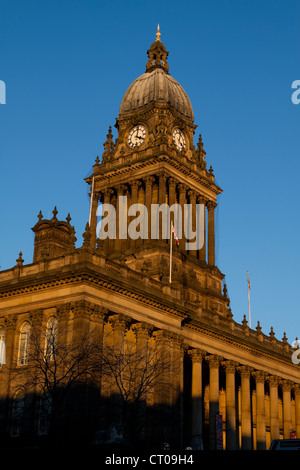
<point>133,287</point>
<point>154,159</point>
<point>239,341</point>
<point>87,274</point>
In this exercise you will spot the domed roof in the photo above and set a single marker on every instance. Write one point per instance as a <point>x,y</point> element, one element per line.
<point>156,85</point>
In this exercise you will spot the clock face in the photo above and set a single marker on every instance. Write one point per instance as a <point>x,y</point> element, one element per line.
<point>137,136</point>
<point>179,139</point>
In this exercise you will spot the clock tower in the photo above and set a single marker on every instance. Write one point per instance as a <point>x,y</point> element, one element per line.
<point>154,162</point>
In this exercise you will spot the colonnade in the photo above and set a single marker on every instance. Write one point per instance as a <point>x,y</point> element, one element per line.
<point>258,407</point>
<point>158,189</point>
<point>193,387</point>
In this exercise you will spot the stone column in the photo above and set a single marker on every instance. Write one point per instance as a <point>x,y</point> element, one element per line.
<point>94,395</point>
<point>134,200</point>
<point>162,199</point>
<point>197,356</point>
<point>274,416</point>
<point>120,324</point>
<point>108,193</point>
<point>182,200</point>
<point>121,220</point>
<point>93,224</point>
<point>297,410</point>
<point>214,363</point>
<point>172,200</point>
<point>148,201</point>
<point>231,435</point>
<point>141,216</point>
<point>142,331</point>
<point>202,252</point>
<point>211,232</point>
<point>81,321</point>
<point>246,407</point>
<point>287,410</point>
<point>177,355</point>
<point>260,410</point>
<point>192,223</point>
<point>163,385</point>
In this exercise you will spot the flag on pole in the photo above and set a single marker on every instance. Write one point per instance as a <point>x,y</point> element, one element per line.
<point>248,282</point>
<point>177,242</point>
<point>175,236</point>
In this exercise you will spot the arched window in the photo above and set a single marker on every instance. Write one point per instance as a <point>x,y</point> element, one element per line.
<point>24,344</point>
<point>51,339</point>
<point>2,346</point>
<point>17,414</point>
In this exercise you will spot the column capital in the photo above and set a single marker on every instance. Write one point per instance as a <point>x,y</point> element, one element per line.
<point>214,360</point>
<point>96,196</point>
<point>119,321</point>
<point>177,339</point>
<point>142,328</point>
<point>63,311</point>
<point>229,365</point>
<point>10,322</point>
<point>245,371</point>
<point>121,188</point>
<point>211,205</point>
<point>162,175</point>
<point>149,180</point>
<point>297,389</point>
<point>98,313</point>
<point>135,184</point>
<point>201,199</point>
<point>82,308</point>
<point>197,355</point>
<point>260,376</point>
<point>162,335</point>
<point>273,380</point>
<point>286,385</point>
<point>36,317</point>
<point>108,191</point>
<point>182,187</point>
<point>192,194</point>
<point>171,181</point>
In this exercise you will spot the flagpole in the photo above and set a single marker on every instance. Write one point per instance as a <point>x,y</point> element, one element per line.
<point>248,282</point>
<point>171,236</point>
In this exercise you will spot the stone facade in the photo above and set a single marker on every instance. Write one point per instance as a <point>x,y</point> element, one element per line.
<point>120,289</point>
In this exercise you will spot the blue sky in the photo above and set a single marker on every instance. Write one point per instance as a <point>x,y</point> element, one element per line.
<point>67,65</point>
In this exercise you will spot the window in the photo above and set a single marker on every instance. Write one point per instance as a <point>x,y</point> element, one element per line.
<point>2,346</point>
<point>51,339</point>
<point>24,344</point>
<point>17,414</point>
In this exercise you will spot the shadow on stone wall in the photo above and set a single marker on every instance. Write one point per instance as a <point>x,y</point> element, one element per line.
<point>86,419</point>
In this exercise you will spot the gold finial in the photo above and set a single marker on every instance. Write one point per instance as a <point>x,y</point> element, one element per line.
<point>158,33</point>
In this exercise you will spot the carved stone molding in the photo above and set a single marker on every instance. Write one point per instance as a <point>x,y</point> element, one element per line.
<point>197,355</point>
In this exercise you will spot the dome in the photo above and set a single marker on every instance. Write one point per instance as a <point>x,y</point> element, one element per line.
<point>154,86</point>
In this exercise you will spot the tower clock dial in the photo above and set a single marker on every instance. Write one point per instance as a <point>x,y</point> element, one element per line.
<point>137,136</point>
<point>179,139</point>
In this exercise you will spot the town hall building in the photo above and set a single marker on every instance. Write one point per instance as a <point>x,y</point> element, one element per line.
<point>140,323</point>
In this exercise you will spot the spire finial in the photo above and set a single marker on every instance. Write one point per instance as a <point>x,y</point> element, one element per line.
<point>158,33</point>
